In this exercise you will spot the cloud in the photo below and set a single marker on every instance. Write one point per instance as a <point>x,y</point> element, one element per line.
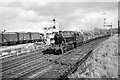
<point>27,14</point>
<point>30,15</point>
<point>60,0</point>
<point>42,3</point>
<point>8,15</point>
<point>91,17</point>
<point>90,20</point>
<point>96,19</point>
<point>80,15</point>
<point>119,10</point>
<point>57,8</point>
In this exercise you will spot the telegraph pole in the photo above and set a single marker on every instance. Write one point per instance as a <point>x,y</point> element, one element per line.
<point>54,24</point>
<point>111,29</point>
<point>104,21</point>
<point>2,35</point>
<point>118,27</point>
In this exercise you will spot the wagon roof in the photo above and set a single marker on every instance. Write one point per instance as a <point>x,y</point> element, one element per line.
<point>9,33</point>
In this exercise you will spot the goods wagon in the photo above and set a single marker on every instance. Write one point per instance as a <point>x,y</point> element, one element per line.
<point>115,30</point>
<point>36,37</point>
<point>9,38</point>
<point>92,35</point>
<point>102,33</point>
<point>23,37</point>
<point>96,34</point>
<point>79,38</point>
<point>108,32</point>
<point>87,36</point>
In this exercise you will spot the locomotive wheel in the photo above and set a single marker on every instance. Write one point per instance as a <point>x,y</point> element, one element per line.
<point>64,50</point>
<point>73,46</point>
<point>59,51</point>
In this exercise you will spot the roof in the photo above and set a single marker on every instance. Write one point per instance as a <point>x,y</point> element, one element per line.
<point>52,30</point>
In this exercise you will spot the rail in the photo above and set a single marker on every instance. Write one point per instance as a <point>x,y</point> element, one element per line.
<point>80,61</point>
<point>12,51</point>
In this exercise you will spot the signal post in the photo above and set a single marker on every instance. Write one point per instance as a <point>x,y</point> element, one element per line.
<point>108,25</point>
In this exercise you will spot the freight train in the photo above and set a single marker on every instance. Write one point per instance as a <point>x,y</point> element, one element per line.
<point>73,39</point>
<point>13,38</point>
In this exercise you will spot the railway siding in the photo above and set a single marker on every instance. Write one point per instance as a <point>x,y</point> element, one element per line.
<point>103,63</point>
<point>12,51</point>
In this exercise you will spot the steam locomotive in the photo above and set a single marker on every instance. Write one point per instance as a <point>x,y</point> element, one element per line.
<point>74,39</point>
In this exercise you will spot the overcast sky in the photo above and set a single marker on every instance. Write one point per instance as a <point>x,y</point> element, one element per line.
<point>19,15</point>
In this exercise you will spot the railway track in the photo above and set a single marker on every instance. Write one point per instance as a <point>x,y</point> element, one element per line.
<point>50,66</point>
<point>71,63</point>
<point>6,59</point>
<point>24,66</point>
<point>67,64</point>
<point>11,62</point>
